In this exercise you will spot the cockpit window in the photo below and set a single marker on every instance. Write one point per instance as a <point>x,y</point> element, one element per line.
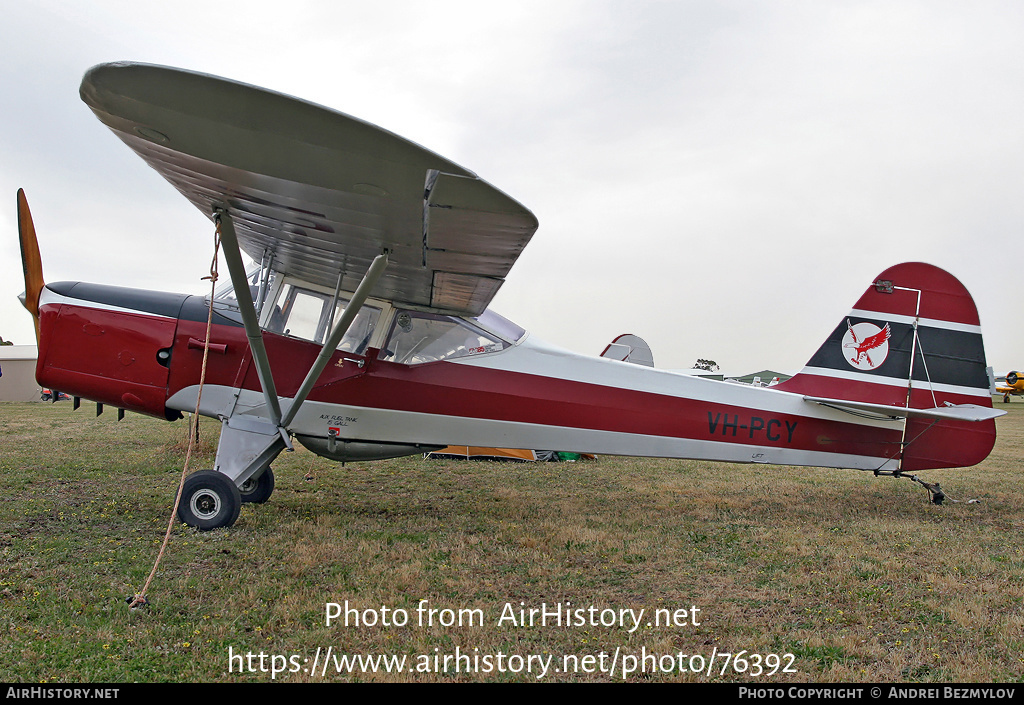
<point>303,313</point>
<point>418,337</point>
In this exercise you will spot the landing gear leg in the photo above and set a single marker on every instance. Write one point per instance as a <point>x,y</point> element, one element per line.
<point>212,498</point>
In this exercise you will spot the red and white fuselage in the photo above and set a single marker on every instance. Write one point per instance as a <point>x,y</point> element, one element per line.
<point>142,351</point>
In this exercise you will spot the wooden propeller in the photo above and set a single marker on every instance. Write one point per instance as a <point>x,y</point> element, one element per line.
<point>30,259</point>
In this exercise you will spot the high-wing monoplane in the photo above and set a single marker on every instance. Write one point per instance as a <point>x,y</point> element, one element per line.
<point>365,332</point>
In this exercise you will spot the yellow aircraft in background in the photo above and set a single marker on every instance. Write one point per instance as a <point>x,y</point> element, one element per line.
<point>1014,385</point>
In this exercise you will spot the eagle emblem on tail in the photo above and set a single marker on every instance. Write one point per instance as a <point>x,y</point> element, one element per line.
<point>868,344</point>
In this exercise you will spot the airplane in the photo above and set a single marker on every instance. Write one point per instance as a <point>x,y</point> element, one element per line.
<point>365,331</point>
<point>1014,386</point>
<point>629,348</point>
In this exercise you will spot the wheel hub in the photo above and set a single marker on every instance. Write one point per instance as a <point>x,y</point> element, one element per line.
<point>205,504</point>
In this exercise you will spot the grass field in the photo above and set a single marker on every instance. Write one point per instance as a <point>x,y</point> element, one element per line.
<point>858,578</point>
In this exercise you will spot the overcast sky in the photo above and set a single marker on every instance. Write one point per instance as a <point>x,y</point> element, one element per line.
<point>723,179</point>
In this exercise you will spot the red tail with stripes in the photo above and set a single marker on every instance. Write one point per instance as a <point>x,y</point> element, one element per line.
<point>913,340</point>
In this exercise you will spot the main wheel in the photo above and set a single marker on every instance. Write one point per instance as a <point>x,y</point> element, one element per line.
<point>209,500</point>
<point>257,490</point>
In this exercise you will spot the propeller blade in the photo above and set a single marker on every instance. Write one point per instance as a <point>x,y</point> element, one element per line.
<point>31,262</point>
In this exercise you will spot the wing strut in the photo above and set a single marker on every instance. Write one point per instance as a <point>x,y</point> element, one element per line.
<point>252,327</point>
<point>240,282</point>
<point>248,445</point>
<point>373,273</point>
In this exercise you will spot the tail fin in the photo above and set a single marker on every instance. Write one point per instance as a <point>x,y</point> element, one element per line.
<point>630,348</point>
<point>912,348</point>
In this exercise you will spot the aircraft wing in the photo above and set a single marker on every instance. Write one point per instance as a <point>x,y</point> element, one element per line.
<point>323,191</point>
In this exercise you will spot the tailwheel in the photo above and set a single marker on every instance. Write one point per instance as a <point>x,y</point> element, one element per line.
<point>209,500</point>
<point>257,490</point>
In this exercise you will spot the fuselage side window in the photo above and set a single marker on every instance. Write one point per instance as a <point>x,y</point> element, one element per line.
<point>305,317</point>
<point>418,337</point>
<point>358,335</point>
<point>307,314</point>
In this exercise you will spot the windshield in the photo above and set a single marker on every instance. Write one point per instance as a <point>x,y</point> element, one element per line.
<point>417,337</point>
<point>226,291</point>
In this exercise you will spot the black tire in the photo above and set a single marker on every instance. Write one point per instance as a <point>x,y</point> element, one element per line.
<point>257,490</point>
<point>209,500</point>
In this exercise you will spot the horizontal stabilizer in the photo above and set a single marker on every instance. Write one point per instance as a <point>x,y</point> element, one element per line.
<point>958,412</point>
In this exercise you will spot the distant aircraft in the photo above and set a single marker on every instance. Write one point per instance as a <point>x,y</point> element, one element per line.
<point>365,334</point>
<point>630,348</point>
<point>1014,386</point>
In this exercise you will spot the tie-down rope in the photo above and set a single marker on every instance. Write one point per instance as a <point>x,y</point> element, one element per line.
<point>193,429</point>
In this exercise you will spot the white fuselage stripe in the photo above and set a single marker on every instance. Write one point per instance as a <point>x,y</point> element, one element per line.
<point>48,297</point>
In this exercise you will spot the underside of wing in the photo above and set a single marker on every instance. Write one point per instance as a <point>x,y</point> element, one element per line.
<point>321,191</point>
